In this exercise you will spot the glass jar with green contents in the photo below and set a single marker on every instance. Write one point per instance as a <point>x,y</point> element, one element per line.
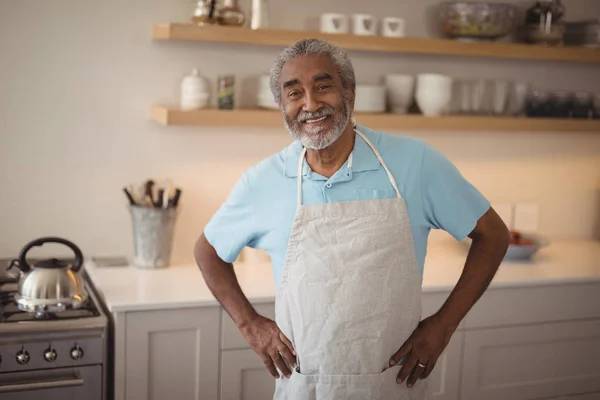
<point>226,86</point>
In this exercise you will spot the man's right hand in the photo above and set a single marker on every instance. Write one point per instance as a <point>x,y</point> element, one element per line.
<point>270,344</point>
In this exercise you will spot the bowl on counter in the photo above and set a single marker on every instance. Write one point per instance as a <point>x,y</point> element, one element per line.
<point>524,246</point>
<point>477,21</point>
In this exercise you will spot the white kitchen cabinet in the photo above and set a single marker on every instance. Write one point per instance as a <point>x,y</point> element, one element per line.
<point>444,381</point>
<point>543,361</point>
<point>245,377</point>
<point>172,354</point>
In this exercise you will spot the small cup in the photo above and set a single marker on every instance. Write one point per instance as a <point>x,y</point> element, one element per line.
<point>392,27</point>
<point>364,25</point>
<point>334,23</point>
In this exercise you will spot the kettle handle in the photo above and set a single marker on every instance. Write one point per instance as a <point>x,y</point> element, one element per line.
<point>24,267</point>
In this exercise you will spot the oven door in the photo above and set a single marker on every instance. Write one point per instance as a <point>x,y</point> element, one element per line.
<point>82,383</point>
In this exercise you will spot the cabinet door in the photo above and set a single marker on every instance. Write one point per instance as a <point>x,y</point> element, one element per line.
<point>172,354</point>
<point>445,378</point>
<point>532,362</point>
<point>244,376</point>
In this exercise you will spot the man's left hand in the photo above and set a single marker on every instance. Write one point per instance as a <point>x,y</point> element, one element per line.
<point>422,349</point>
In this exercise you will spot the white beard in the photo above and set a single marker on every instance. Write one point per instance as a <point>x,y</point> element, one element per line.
<point>315,138</point>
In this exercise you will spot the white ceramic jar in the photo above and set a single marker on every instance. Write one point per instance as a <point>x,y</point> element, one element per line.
<point>194,91</point>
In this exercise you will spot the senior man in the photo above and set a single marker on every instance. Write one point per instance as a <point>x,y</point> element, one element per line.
<point>344,213</point>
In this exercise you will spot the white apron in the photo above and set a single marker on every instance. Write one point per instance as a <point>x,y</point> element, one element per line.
<point>350,296</point>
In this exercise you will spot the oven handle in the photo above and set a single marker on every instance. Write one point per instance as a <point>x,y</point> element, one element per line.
<point>62,383</point>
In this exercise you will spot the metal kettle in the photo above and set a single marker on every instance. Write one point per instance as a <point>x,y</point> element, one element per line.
<point>50,285</point>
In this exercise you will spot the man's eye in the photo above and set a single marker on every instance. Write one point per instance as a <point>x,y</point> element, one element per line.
<point>293,94</point>
<point>323,87</point>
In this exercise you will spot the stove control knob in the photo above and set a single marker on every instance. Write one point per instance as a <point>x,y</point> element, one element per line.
<point>50,354</point>
<point>76,353</point>
<point>22,357</point>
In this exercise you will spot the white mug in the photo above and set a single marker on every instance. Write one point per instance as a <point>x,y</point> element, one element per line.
<point>334,23</point>
<point>364,24</point>
<point>392,27</point>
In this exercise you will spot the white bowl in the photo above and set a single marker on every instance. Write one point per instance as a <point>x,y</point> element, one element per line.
<point>400,91</point>
<point>433,103</point>
<point>434,82</point>
<point>267,102</point>
<point>370,98</point>
<point>264,84</point>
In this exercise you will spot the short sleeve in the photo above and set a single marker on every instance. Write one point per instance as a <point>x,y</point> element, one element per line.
<point>232,227</point>
<point>450,202</point>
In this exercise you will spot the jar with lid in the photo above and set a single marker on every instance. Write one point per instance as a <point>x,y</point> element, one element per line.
<point>544,23</point>
<point>194,91</point>
<point>206,12</point>
<point>230,14</point>
<point>226,86</point>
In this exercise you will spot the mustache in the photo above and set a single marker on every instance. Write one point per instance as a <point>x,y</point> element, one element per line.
<point>320,113</point>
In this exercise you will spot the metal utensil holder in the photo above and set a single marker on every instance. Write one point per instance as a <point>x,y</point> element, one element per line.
<point>153,229</point>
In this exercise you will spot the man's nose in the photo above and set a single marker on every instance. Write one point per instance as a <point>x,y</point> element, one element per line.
<point>311,102</point>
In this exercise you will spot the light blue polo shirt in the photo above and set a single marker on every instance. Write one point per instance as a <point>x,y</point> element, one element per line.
<point>261,207</point>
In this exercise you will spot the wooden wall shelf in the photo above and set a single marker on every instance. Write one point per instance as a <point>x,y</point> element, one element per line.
<point>280,37</point>
<point>165,115</point>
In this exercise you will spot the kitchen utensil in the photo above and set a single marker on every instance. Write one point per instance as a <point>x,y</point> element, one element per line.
<point>206,12</point>
<point>392,27</point>
<point>230,14</point>
<point>583,33</point>
<point>400,92</point>
<point>538,104</point>
<point>50,285</point>
<point>561,104</point>
<point>596,106</point>
<point>544,23</point>
<point>369,98</point>
<point>477,21</point>
<point>364,25</point>
<point>518,98</point>
<point>334,23</point>
<point>260,14</point>
<point>153,229</point>
<point>500,95</point>
<point>582,105</point>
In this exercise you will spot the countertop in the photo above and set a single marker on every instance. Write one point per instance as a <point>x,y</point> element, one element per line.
<point>126,288</point>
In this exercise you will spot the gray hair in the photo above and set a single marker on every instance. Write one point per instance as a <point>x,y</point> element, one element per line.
<point>313,47</point>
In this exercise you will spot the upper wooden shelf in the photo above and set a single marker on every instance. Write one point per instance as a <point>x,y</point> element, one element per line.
<point>166,115</point>
<point>280,37</point>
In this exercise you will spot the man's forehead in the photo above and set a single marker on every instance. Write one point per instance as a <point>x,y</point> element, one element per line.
<point>308,67</point>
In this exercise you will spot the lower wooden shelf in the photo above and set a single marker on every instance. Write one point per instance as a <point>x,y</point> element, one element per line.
<point>165,115</point>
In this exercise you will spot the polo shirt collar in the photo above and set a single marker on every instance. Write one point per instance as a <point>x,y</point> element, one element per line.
<point>363,158</point>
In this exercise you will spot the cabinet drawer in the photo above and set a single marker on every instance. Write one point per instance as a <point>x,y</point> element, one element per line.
<point>536,304</point>
<point>532,362</point>
<point>231,337</point>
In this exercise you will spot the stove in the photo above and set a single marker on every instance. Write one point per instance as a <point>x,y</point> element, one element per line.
<point>51,355</point>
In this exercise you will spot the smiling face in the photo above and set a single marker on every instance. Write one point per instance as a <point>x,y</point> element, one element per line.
<point>316,107</point>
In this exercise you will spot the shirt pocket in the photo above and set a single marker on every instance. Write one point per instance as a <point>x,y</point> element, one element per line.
<point>374,194</point>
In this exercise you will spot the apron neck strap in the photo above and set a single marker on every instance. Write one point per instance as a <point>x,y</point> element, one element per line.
<point>389,174</point>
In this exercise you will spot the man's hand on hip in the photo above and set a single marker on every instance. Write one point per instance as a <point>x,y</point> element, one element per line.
<point>270,344</point>
<point>422,350</point>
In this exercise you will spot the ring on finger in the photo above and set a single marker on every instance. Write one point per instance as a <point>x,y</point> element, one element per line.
<point>421,364</point>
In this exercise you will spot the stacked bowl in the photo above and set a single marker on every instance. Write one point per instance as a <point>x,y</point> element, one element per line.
<point>434,94</point>
<point>264,97</point>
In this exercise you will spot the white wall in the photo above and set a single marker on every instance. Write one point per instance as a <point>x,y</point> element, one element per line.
<point>77,78</point>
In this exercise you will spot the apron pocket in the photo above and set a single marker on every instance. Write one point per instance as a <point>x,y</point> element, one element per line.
<point>382,386</point>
